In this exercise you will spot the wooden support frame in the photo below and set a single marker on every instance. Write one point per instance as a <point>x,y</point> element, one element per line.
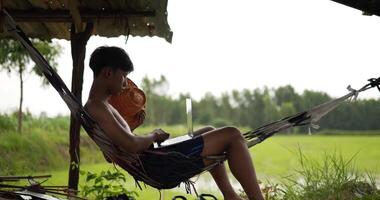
<point>74,11</point>
<point>65,15</point>
<point>17,178</point>
<point>78,52</point>
<point>1,17</point>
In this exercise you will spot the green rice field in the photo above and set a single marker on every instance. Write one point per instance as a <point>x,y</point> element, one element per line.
<point>43,149</point>
<point>274,159</point>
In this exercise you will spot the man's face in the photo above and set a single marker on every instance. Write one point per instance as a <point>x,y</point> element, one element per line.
<point>118,80</point>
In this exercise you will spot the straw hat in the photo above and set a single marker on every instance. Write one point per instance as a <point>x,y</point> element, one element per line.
<point>129,103</point>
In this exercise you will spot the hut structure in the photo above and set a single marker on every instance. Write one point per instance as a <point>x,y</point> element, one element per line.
<point>77,21</point>
<point>369,7</point>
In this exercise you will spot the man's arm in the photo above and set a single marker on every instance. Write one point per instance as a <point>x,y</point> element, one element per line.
<point>121,136</point>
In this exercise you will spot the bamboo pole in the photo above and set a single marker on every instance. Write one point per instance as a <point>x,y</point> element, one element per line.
<point>16,178</point>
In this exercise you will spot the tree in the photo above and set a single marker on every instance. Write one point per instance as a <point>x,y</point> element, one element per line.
<point>287,94</point>
<point>157,99</point>
<point>206,109</point>
<point>13,57</point>
<point>226,110</point>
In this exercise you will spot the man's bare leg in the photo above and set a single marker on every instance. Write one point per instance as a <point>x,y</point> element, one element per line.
<point>230,140</point>
<point>221,179</point>
<point>219,173</point>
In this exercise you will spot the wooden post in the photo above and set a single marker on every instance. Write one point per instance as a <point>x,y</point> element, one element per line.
<point>78,53</point>
<point>1,17</point>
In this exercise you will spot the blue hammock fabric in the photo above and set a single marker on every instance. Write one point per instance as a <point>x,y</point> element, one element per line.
<point>131,162</point>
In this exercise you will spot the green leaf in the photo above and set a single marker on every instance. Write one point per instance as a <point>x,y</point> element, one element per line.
<point>90,176</point>
<point>98,180</point>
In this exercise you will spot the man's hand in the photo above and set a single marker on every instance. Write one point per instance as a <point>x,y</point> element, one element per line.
<point>160,135</point>
<point>140,116</point>
<point>137,120</point>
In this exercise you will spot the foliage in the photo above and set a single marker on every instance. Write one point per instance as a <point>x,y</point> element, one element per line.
<point>13,57</point>
<point>7,123</point>
<point>334,179</point>
<point>160,107</point>
<point>51,135</point>
<point>105,184</point>
<point>43,146</point>
<point>254,108</point>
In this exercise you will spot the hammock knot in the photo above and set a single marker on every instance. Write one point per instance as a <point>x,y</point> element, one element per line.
<point>313,126</point>
<point>355,93</point>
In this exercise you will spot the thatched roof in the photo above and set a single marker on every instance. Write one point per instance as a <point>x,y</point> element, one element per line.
<point>53,18</point>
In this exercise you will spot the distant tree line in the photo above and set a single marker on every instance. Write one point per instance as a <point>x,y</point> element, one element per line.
<point>254,108</point>
<point>14,58</point>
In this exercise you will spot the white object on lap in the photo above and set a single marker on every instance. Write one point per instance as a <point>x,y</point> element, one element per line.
<point>189,116</point>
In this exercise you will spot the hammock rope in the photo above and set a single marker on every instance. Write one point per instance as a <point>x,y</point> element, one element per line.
<point>309,117</point>
<point>131,162</point>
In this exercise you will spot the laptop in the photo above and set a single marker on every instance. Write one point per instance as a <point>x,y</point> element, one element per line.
<point>190,133</point>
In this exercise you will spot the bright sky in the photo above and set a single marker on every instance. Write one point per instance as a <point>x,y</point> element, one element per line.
<point>221,45</point>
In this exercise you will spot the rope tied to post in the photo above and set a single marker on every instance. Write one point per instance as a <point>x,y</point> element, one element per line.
<point>375,82</point>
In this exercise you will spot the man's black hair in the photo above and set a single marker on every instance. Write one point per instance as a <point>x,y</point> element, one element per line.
<point>113,57</point>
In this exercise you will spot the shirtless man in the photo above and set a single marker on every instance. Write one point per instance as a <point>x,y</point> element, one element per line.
<point>111,66</point>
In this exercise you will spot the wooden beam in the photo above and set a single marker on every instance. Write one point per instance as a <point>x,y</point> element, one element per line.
<point>65,16</point>
<point>74,11</point>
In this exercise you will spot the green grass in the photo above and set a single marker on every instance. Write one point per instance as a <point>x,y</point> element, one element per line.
<point>43,149</point>
<point>37,151</point>
<point>277,155</point>
<point>274,159</point>
<point>333,178</point>
<point>60,177</point>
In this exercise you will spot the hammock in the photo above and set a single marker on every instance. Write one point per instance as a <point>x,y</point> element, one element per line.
<point>309,117</point>
<point>130,162</point>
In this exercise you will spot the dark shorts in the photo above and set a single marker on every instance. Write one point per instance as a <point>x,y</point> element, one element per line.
<point>173,164</point>
<point>192,147</point>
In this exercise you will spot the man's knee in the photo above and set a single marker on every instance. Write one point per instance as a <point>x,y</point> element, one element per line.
<point>233,132</point>
<point>209,128</point>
